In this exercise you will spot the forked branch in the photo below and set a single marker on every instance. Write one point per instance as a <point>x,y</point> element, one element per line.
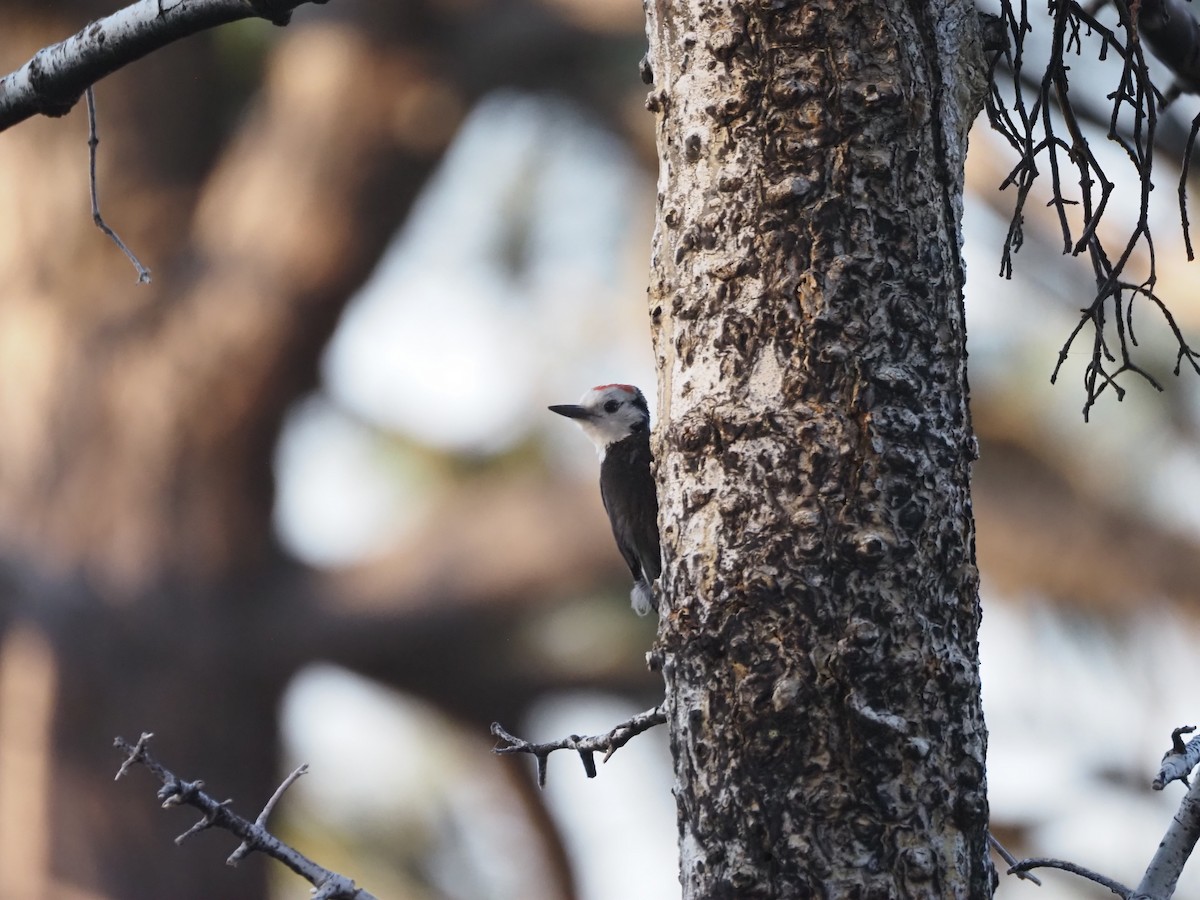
<point>175,791</point>
<point>1162,874</point>
<point>1038,116</point>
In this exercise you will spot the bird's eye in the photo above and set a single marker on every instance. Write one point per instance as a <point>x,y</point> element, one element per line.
<point>612,406</point>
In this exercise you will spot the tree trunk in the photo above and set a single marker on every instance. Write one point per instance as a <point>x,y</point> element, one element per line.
<point>136,488</point>
<point>140,583</point>
<point>818,638</point>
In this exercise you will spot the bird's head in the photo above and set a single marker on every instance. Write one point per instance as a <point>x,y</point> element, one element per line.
<point>608,413</point>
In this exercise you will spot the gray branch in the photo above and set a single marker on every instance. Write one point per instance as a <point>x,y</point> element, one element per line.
<point>1177,844</point>
<point>586,747</point>
<point>1173,851</point>
<point>54,79</point>
<point>1179,760</point>
<point>216,814</point>
<point>1012,861</point>
<point>1162,874</point>
<point>1026,865</point>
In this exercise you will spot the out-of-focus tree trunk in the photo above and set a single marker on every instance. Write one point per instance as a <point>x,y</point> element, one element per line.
<point>135,487</point>
<point>140,584</point>
<point>818,636</point>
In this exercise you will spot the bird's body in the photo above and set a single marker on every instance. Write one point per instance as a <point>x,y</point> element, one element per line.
<point>616,419</point>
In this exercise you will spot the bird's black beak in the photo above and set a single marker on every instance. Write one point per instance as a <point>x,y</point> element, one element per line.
<point>571,411</point>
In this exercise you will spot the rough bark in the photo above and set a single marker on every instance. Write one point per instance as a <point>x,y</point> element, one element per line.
<point>820,612</point>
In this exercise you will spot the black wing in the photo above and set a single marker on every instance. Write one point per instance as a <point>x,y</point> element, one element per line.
<point>631,500</point>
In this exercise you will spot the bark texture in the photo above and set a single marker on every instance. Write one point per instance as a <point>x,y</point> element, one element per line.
<point>820,606</point>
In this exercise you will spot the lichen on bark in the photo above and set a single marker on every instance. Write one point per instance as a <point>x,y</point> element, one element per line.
<point>820,609</point>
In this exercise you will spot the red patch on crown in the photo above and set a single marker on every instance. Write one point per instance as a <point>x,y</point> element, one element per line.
<point>627,388</point>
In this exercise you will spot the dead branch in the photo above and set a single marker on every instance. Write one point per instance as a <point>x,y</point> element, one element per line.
<point>1046,863</point>
<point>1162,874</point>
<point>1012,861</point>
<point>54,79</point>
<point>216,814</point>
<point>586,747</point>
<point>1043,128</point>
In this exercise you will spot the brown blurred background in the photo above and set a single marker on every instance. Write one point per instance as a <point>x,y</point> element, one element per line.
<point>299,498</point>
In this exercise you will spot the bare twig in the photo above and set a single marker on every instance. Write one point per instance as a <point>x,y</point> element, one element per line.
<point>52,82</point>
<point>244,849</point>
<point>1012,861</point>
<point>93,142</point>
<point>586,747</point>
<point>1046,863</point>
<point>176,792</point>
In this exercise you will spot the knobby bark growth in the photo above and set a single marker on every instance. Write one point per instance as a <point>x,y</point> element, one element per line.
<point>818,637</point>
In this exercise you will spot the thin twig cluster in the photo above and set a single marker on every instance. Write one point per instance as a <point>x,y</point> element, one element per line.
<point>1043,122</point>
<point>176,791</point>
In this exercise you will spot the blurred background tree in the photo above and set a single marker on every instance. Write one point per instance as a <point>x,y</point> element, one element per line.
<point>299,498</point>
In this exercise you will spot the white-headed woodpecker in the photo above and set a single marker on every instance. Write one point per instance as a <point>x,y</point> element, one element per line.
<point>615,418</point>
